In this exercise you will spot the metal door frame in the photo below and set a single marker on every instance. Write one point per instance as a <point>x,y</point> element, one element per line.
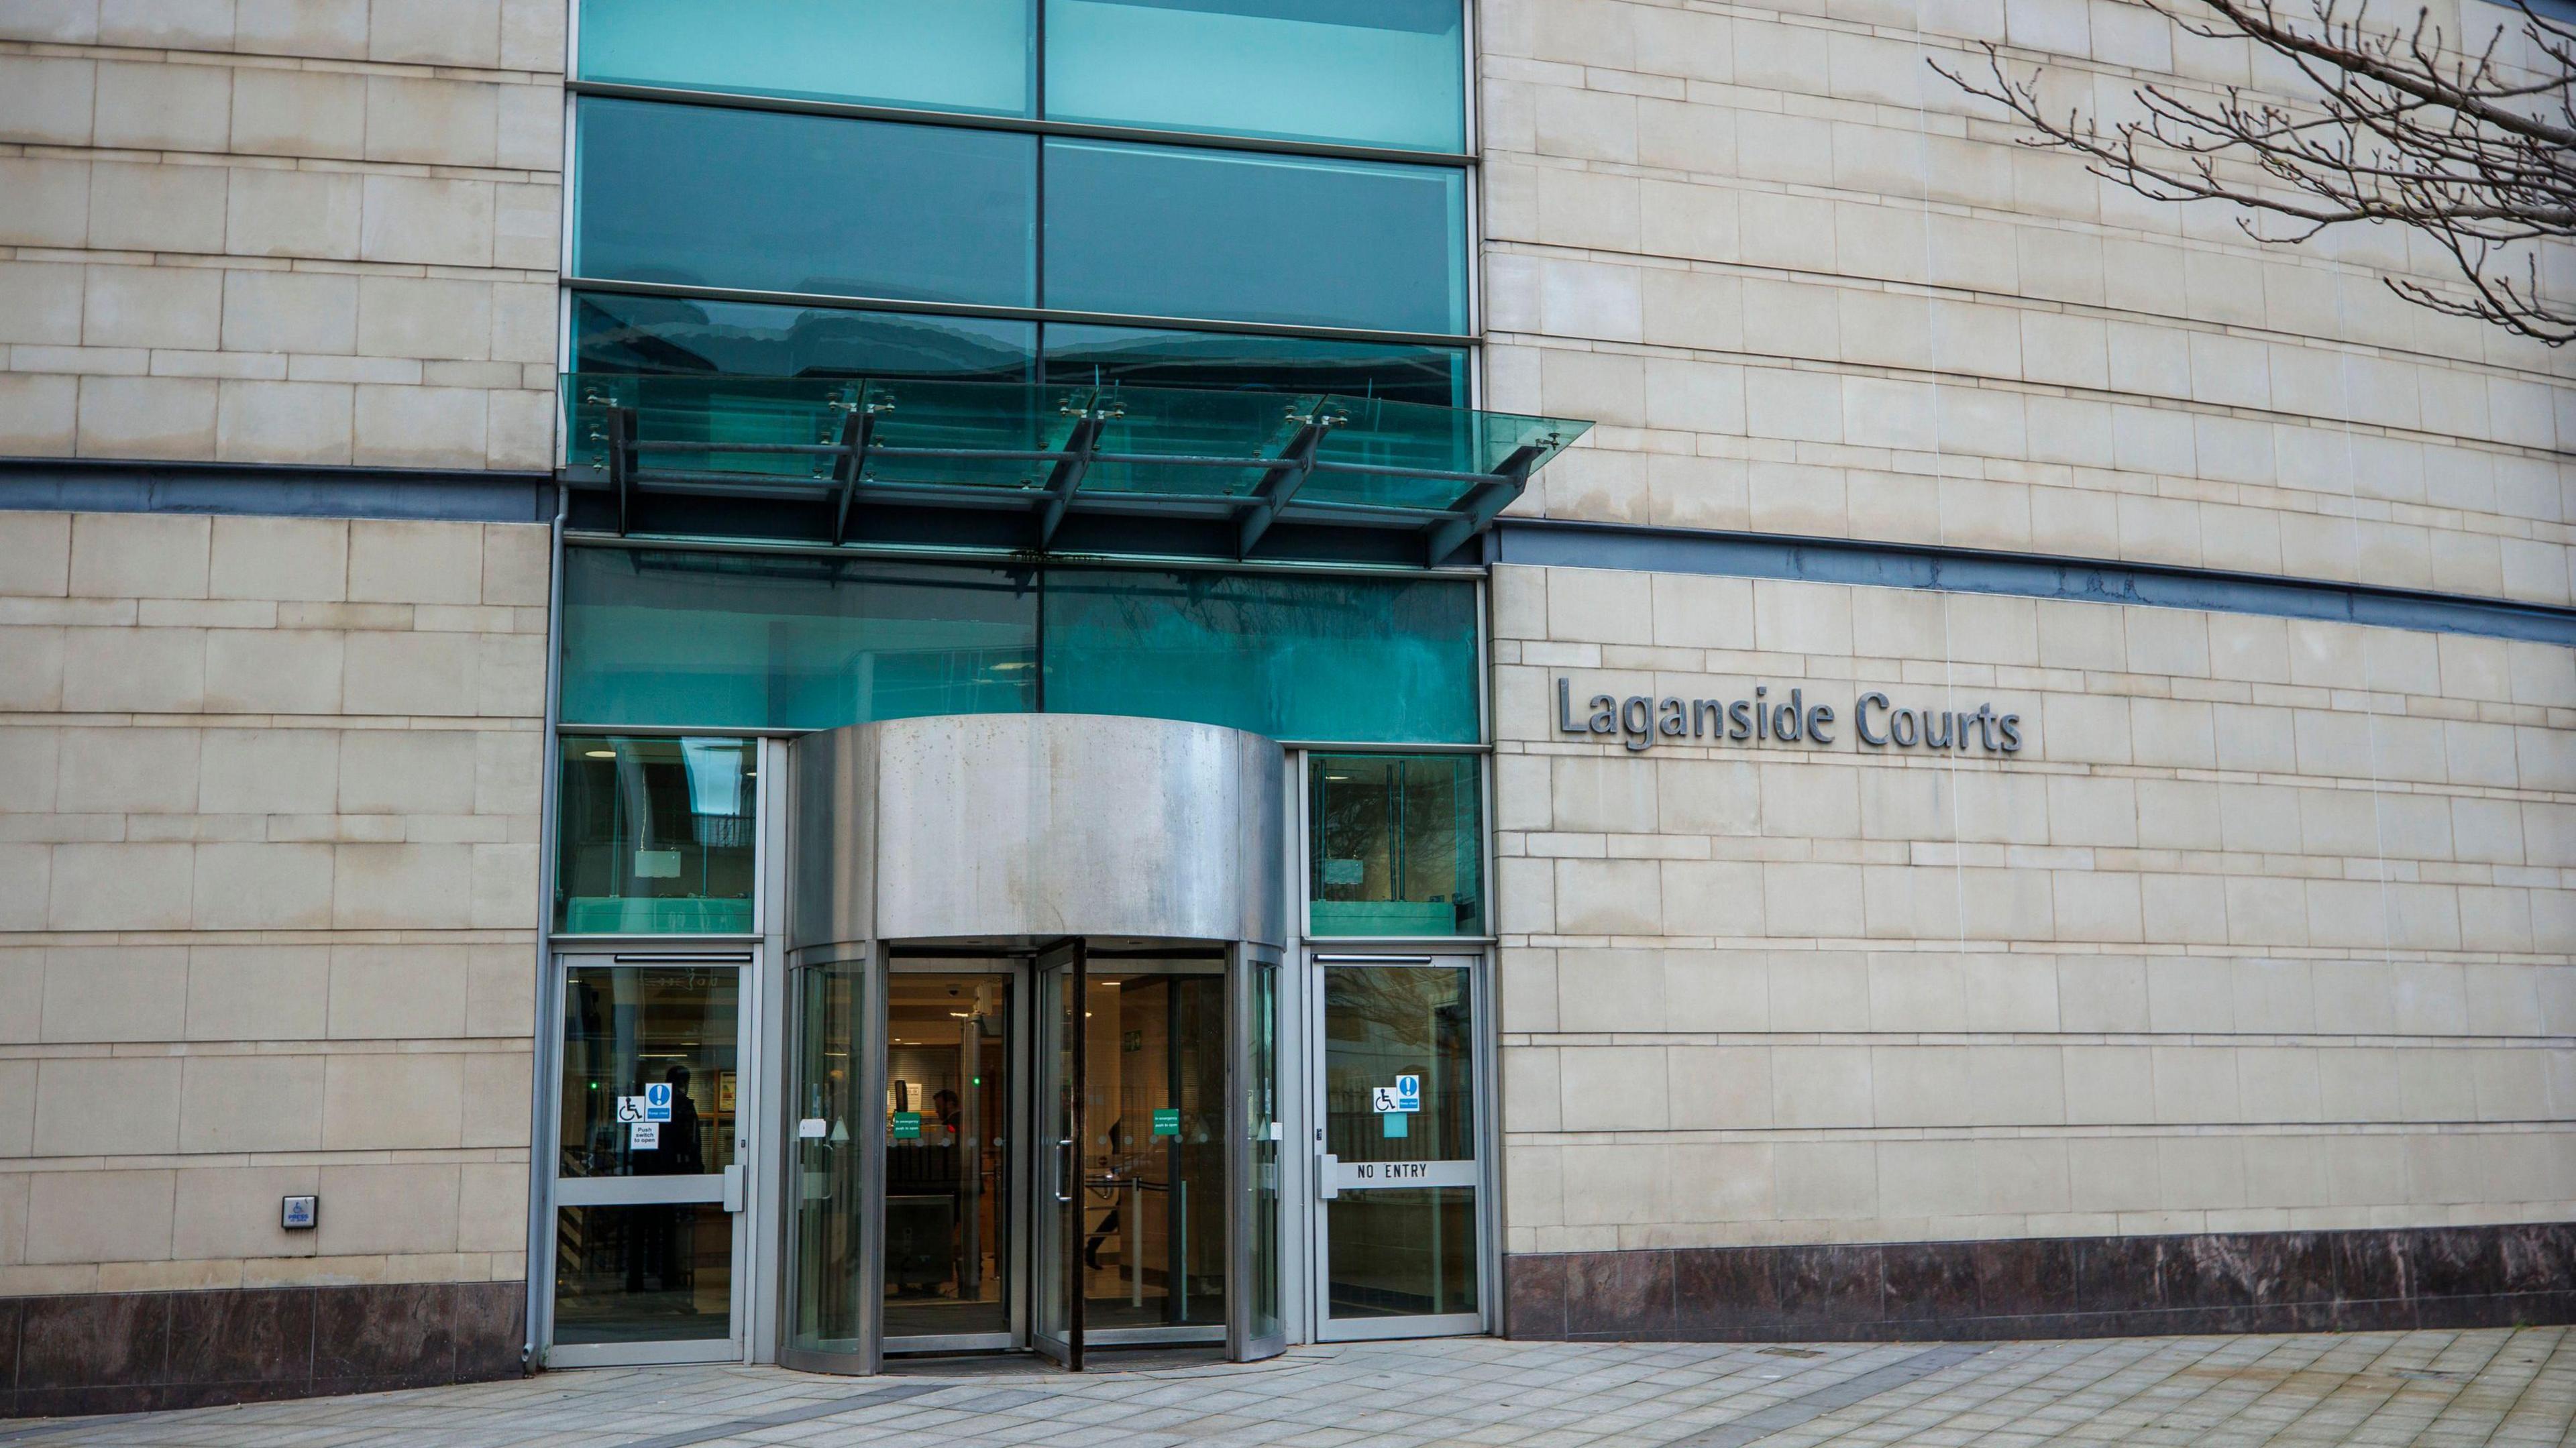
<point>1325,1327</point>
<point>1059,1163</point>
<point>737,1186</point>
<point>1243,1194</point>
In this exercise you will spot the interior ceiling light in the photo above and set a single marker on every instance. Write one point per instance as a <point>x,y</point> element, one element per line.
<point>599,754</point>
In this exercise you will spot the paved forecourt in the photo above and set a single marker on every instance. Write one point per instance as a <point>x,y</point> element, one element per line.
<point>2449,1388</point>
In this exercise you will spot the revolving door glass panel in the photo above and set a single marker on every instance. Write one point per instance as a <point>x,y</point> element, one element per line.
<point>949,1139</point>
<point>1152,1260</point>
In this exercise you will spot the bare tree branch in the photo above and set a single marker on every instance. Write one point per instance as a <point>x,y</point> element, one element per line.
<point>2473,148</point>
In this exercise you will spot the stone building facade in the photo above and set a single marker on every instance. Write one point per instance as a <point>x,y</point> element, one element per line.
<point>2241,995</point>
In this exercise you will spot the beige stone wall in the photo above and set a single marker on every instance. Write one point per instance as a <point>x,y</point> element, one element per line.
<point>2271,925</point>
<point>268,878</point>
<point>280,231</point>
<point>1807,287</point>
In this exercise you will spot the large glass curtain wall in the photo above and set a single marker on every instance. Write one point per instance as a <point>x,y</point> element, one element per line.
<point>1010,249</point>
<point>660,639</point>
<point>1387,73</point>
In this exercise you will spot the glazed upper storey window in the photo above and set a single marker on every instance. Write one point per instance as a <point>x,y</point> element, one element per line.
<point>1386,73</point>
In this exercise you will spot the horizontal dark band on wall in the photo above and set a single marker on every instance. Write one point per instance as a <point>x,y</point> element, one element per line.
<point>2367,1280</point>
<point>87,485</point>
<point>125,1352</point>
<point>1564,543</point>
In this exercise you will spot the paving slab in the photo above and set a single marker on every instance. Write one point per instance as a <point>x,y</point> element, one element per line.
<point>2446,1389</point>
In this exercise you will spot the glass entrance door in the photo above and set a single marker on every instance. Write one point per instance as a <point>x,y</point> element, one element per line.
<point>1398,1250</point>
<point>650,1106</point>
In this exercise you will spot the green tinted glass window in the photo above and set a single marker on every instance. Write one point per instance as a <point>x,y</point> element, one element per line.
<point>615,333</point>
<point>1140,357</point>
<point>745,641</point>
<point>965,55</point>
<point>766,201</point>
<point>1395,845</point>
<point>1364,72</point>
<point>655,836</point>
<point>1364,660</point>
<point>1237,236</point>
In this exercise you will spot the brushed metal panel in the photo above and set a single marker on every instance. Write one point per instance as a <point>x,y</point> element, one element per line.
<point>1038,825</point>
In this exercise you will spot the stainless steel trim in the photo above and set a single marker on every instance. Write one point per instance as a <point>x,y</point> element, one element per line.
<point>683,957</point>
<point>839,301</point>
<point>642,1191</point>
<point>1323,959</point>
<point>1026,125</point>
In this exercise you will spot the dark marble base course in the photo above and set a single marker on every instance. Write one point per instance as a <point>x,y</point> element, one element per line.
<point>143,1351</point>
<point>2238,1282</point>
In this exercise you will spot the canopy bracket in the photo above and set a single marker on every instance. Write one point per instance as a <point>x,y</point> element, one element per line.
<point>858,428</point>
<point>1486,499</point>
<point>619,425</point>
<point>1280,484</point>
<point>1065,479</point>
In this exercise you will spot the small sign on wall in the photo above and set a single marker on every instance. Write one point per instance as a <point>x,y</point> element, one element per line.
<point>299,1214</point>
<point>644,1136</point>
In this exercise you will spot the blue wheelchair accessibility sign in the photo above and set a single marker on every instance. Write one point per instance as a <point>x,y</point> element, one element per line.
<point>657,1101</point>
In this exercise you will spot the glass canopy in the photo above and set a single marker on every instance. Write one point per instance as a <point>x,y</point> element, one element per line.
<point>854,459</point>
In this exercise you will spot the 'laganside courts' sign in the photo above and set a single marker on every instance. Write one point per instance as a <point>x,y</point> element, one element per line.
<point>1639,721</point>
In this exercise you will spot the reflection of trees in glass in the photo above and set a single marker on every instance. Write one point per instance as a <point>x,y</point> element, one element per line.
<point>1395,829</point>
<point>1381,1022</point>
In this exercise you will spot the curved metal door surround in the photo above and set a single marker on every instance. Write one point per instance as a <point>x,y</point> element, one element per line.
<point>1037,825</point>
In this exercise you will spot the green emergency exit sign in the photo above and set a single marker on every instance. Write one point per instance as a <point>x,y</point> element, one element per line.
<point>1167,1121</point>
<point>907,1125</point>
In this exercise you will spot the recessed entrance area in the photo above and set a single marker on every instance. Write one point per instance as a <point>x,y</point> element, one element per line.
<point>1035,968</point>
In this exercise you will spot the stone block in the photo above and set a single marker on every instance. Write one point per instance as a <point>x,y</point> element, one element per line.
<point>262,886</point>
<point>138,555</point>
<point>147,417</point>
<point>422,427</point>
<point>290,311</point>
<point>139,206</point>
<point>297,112</point>
<point>127,771</point>
<point>394,561</point>
<point>107,1106</point>
<point>320,29</point>
<point>257,992</point>
<point>38,415</point>
<point>258,1103</point>
<point>432,122</point>
<point>398,991</point>
<point>403,887</point>
<point>114,993</point>
<point>100,1216</point>
<point>409,673</point>
<point>393,1101</point>
<point>315,214</point>
<point>49,201</point>
<point>427,220</point>
<point>231,1211</point>
<point>273,671</point>
<point>306,423</point>
<point>162,106</point>
<point>283,559</point>
<point>437,32</point>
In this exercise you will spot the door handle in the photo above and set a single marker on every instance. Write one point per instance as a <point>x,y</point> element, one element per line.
<point>733,1189</point>
<point>1326,1165</point>
<point>1064,1170</point>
